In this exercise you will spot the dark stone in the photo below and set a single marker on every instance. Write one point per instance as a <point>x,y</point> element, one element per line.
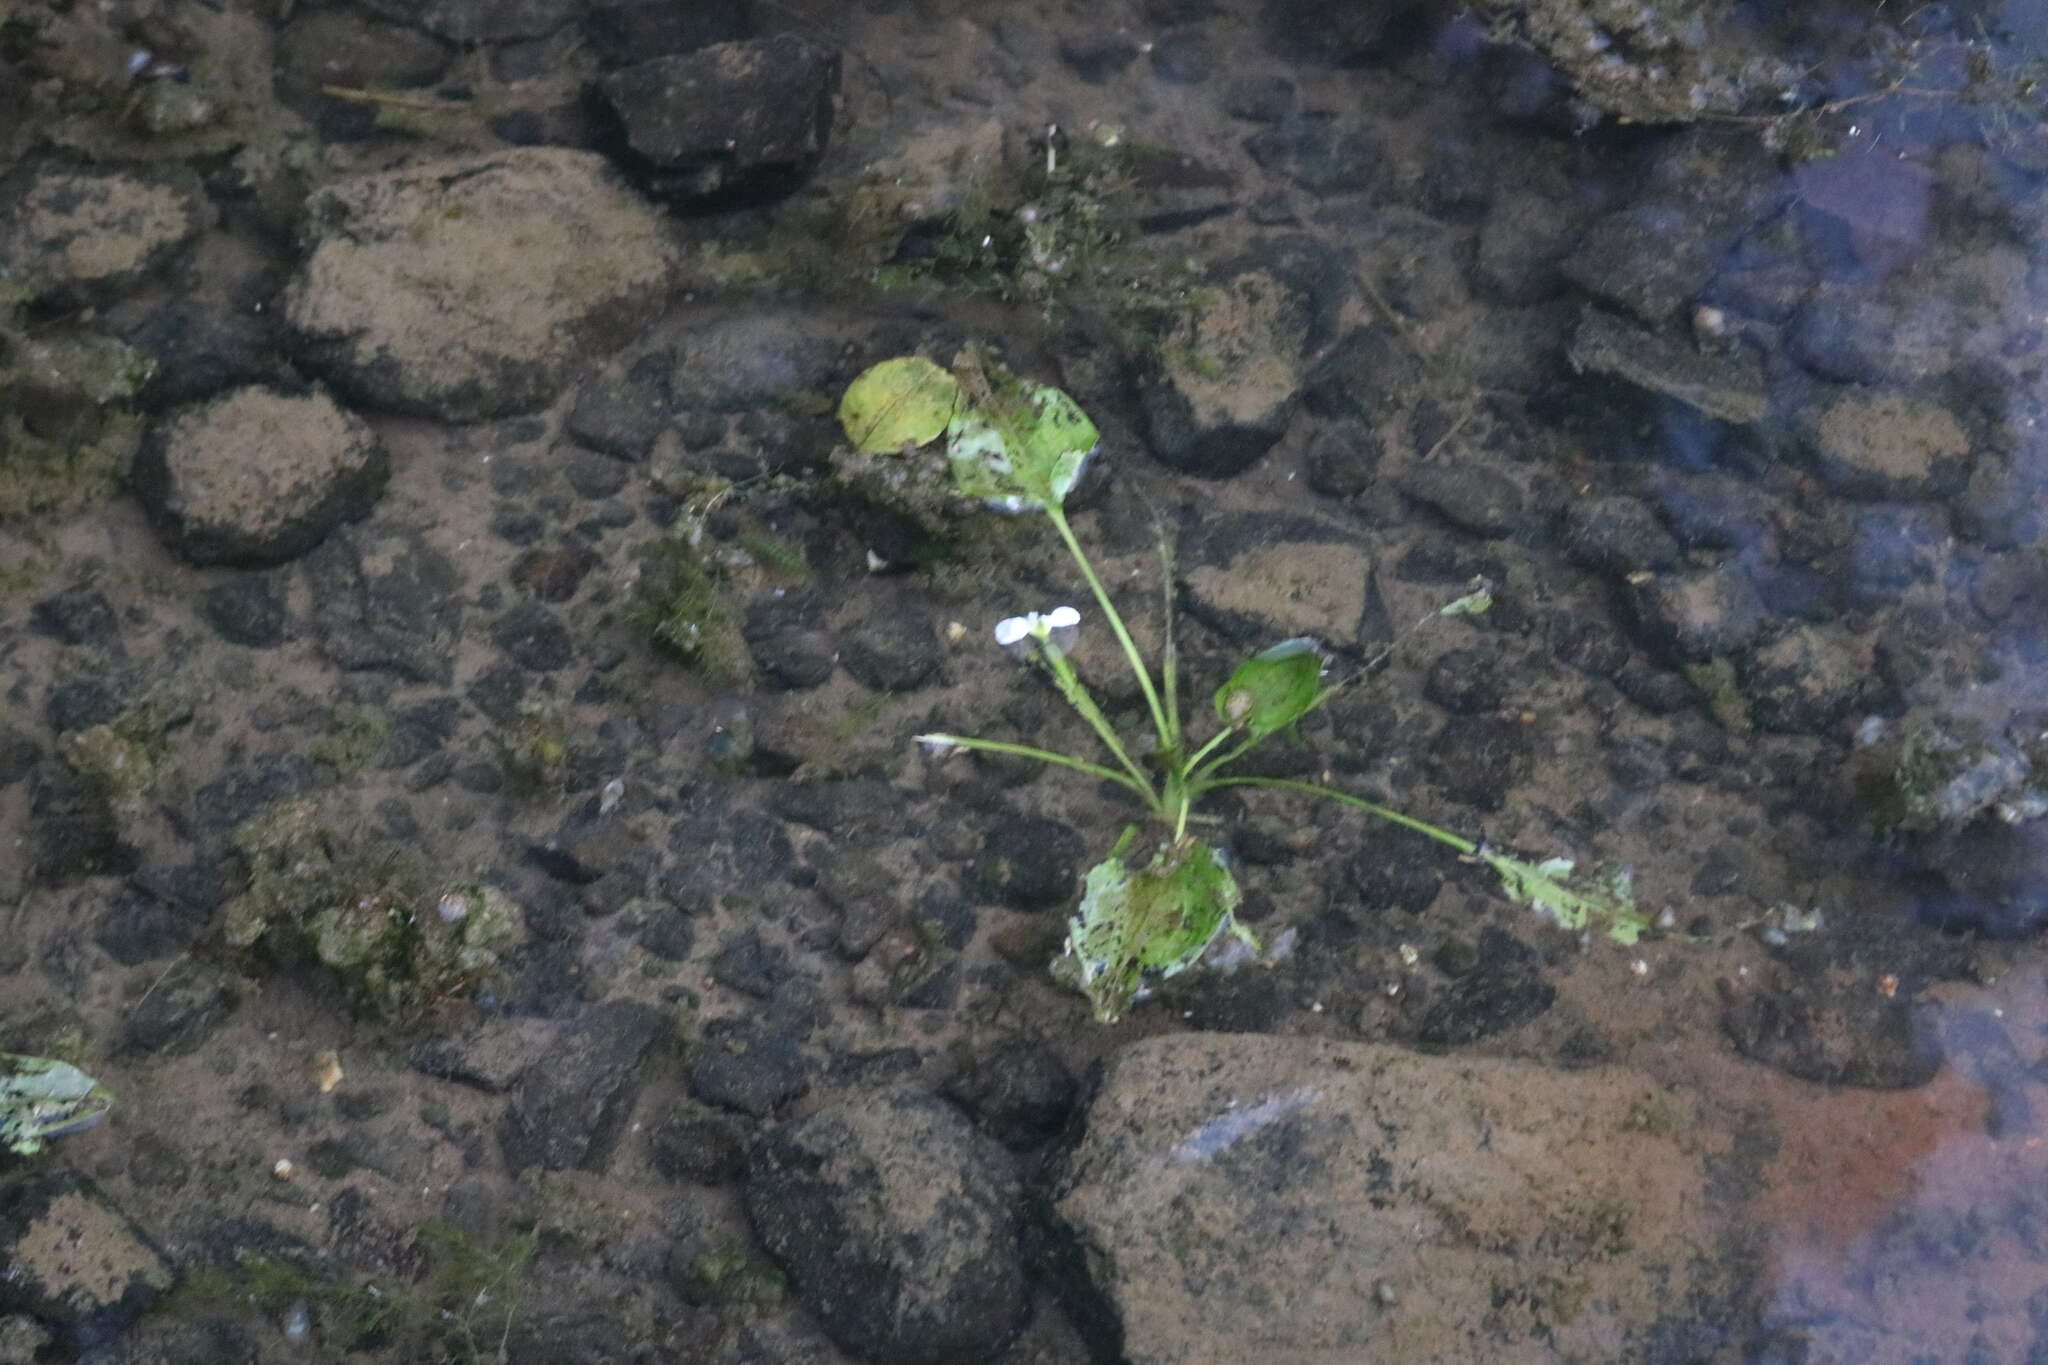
<point>19,755</point>
<point>622,32</point>
<point>1834,1032</point>
<point>421,729</point>
<point>1807,681</point>
<point>1390,873</point>
<point>743,120</point>
<point>724,851</point>
<point>386,601</point>
<point>1322,153</point>
<point>79,615</point>
<point>1859,336</point>
<point>202,350</point>
<point>1894,548</point>
<point>245,789</point>
<point>746,360</point>
<point>179,1013</point>
<point>1521,241</point>
<point>1713,512</point>
<point>668,934</point>
<point>786,638</point>
<point>469,22</point>
<point>893,650</point>
<point>842,1200</point>
<point>1467,682</point>
<point>72,832</point>
<point>942,913</point>
<point>1368,373</point>
<point>1692,616</point>
<point>849,808</point>
<point>1183,59</point>
<point>1713,388</point>
<point>137,926</point>
<point>1481,1005</point>
<point>85,702</point>
<point>592,475</point>
<point>497,691</point>
<point>534,638</point>
<point>750,966</point>
<point>1028,863</point>
<point>701,1147</point>
<point>621,415</point>
<point>248,609</point>
<point>1476,760</point>
<point>1342,458</point>
<point>1587,642</point>
<point>1259,99</point>
<point>1989,877</point>
<point>1657,690</point>
<point>584,1339</point>
<point>1096,57</point>
<point>751,1064</point>
<point>1020,1093</point>
<point>74,1261</point>
<point>1469,496</point>
<point>1616,536</point>
<point>569,1107</point>
<point>1654,257</point>
<point>555,573</point>
<point>1333,35</point>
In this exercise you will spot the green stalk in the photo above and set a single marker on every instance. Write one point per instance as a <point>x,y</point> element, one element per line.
<point>1423,827</point>
<point>997,746</point>
<point>1116,623</point>
<point>1082,700</point>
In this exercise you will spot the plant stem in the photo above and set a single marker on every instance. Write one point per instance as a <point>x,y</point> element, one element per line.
<point>1082,700</point>
<point>1201,754</point>
<point>997,746</point>
<point>1160,723</point>
<point>1423,827</point>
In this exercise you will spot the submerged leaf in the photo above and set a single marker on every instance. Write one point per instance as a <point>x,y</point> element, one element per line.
<point>1605,897</point>
<point>1158,920</point>
<point>41,1098</point>
<point>1272,689</point>
<point>1013,443</point>
<point>902,402</point>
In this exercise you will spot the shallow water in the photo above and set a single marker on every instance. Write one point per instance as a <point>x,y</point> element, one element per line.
<point>1742,418</point>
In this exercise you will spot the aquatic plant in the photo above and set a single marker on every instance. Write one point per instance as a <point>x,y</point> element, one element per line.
<point>42,1098</point>
<point>1152,908</point>
<point>395,942</point>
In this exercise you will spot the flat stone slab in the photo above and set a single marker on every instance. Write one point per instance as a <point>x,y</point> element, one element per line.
<point>1308,1202</point>
<point>1727,388</point>
<point>473,287</point>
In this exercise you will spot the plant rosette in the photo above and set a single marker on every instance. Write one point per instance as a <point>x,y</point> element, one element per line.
<point>1021,447</point>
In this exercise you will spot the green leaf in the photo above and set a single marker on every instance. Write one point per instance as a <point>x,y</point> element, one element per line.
<point>1474,603</point>
<point>1158,920</point>
<point>41,1099</point>
<point>1014,443</point>
<point>1272,689</point>
<point>902,402</point>
<point>1604,897</point>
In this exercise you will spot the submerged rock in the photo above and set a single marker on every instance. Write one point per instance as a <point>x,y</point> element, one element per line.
<point>1257,1198</point>
<point>472,287</point>
<point>898,1225</point>
<point>74,1261</point>
<point>738,119</point>
<point>258,476</point>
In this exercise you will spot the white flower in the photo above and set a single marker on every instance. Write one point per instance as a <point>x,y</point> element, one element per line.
<point>937,746</point>
<point>1058,625</point>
